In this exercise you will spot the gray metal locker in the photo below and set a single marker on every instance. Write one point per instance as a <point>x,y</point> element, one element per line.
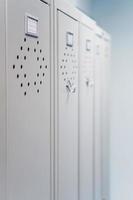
<point>67,107</point>
<point>2,103</point>
<point>105,115</point>
<point>26,95</point>
<point>86,110</point>
<point>98,112</point>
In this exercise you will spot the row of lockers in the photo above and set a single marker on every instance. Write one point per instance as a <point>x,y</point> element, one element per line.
<point>54,108</point>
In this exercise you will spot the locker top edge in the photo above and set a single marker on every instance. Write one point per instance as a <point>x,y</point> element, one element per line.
<point>47,1</point>
<point>74,12</point>
<point>103,33</point>
<point>99,32</point>
<point>86,20</point>
<point>67,8</point>
<point>106,36</point>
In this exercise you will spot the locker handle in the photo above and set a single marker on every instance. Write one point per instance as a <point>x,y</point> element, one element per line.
<point>89,83</point>
<point>70,87</point>
<point>74,90</point>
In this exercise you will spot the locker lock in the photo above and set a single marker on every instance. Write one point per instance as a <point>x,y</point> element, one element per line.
<point>70,87</point>
<point>89,83</point>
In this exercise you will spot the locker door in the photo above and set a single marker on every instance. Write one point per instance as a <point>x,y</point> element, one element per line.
<point>67,107</point>
<point>28,100</point>
<point>105,119</point>
<point>86,112</point>
<point>98,116</point>
<point>2,103</point>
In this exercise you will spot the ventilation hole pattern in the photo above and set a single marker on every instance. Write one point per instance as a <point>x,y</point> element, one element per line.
<point>29,57</point>
<point>68,67</point>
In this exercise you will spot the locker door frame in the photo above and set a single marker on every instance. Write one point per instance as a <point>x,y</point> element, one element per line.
<point>3,107</point>
<point>42,5</point>
<point>71,11</point>
<point>51,7</point>
<point>3,104</point>
<point>90,24</point>
<point>106,128</point>
<point>98,34</point>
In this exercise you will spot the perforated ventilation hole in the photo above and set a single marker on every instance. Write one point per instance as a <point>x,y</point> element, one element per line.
<point>69,57</point>
<point>24,52</point>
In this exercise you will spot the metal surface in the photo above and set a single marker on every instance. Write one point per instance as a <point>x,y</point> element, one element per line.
<point>67,172</point>
<point>86,110</point>
<point>2,103</point>
<point>98,113</point>
<point>28,102</point>
<point>54,121</point>
<point>105,116</point>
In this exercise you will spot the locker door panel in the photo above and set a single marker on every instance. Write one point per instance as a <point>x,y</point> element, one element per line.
<point>28,100</point>
<point>2,103</point>
<point>67,107</point>
<point>86,113</point>
<point>105,119</point>
<point>98,116</point>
